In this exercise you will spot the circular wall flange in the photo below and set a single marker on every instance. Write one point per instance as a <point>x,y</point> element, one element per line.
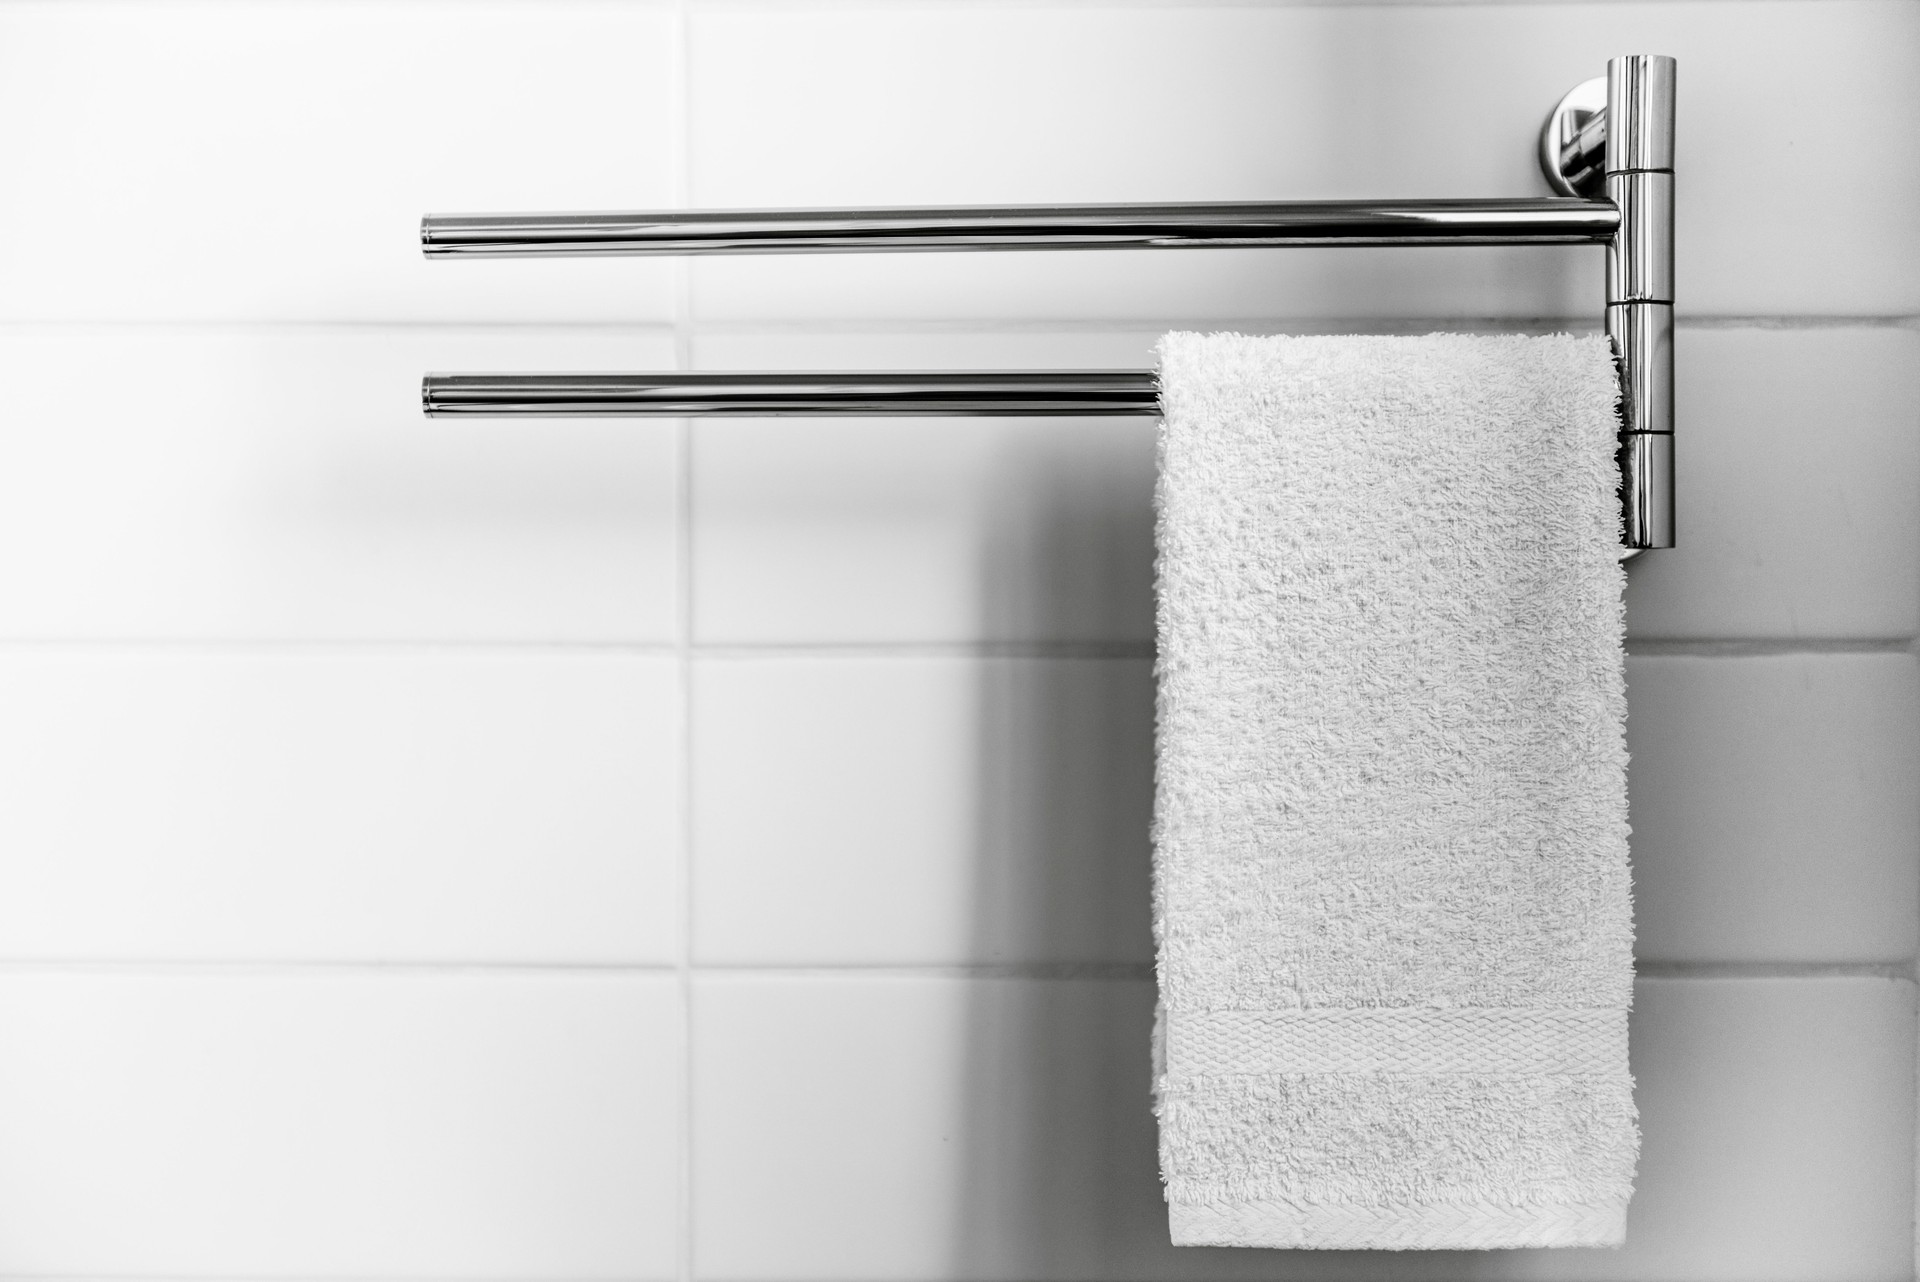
<point>1582,174</point>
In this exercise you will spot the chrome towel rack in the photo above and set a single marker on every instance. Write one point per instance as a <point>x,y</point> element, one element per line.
<point>1607,147</point>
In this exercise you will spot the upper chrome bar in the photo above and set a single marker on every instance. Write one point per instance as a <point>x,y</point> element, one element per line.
<point>1001,392</point>
<point>999,227</point>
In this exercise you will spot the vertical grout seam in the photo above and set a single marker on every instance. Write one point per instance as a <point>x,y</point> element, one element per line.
<point>682,165</point>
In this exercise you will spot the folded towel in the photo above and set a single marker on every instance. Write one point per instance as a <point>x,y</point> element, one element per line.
<point>1390,825</point>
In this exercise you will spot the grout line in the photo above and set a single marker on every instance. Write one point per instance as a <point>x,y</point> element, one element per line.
<point>932,650</point>
<point>682,142</point>
<point>967,5</point>
<point>259,966</point>
<point>1128,972</point>
<point>889,326</point>
<point>329,648</point>
<point>1144,971</point>
<point>1894,321</point>
<point>885,325</point>
<point>161,1276</point>
<point>1730,647</point>
<point>685,649</point>
<point>658,327</point>
<point>1774,970</point>
<point>93,1276</point>
<point>682,969</point>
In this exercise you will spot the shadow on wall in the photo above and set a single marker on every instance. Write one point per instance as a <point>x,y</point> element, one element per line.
<point>1057,1170</point>
<point>1057,1173</point>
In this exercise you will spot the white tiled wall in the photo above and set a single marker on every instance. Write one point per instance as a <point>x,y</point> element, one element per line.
<point>617,850</point>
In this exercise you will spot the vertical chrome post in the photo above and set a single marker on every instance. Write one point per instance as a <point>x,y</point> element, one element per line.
<point>1639,171</point>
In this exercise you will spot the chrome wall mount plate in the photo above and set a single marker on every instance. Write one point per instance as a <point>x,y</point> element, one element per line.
<point>1573,141</point>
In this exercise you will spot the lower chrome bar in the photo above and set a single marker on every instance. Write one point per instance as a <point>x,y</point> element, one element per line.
<point>679,395</point>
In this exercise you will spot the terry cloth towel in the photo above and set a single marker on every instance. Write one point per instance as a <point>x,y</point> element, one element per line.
<point>1390,822</point>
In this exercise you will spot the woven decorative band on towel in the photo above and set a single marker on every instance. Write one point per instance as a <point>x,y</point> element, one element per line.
<point>1390,842</point>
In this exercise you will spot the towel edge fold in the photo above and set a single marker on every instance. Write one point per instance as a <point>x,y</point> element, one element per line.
<point>1440,1226</point>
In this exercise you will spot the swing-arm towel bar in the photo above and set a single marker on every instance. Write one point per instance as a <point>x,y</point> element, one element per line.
<point>999,227</point>
<point>1607,148</point>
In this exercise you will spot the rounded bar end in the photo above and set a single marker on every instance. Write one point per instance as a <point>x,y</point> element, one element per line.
<point>1640,95</point>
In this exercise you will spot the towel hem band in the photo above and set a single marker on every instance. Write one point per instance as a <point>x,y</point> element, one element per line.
<point>1458,1226</point>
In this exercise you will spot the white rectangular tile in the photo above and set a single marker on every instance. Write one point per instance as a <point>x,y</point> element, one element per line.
<point>1777,1133</point>
<point>928,1128</point>
<point>921,1128</point>
<point>338,1126</point>
<point>823,530</point>
<point>1798,464</point>
<point>1164,103</point>
<point>282,483</point>
<point>192,160</point>
<point>370,806</point>
<point>1774,812</point>
<point>921,810</point>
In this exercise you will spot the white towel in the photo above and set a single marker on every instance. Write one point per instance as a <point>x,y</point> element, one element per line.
<point>1390,826</point>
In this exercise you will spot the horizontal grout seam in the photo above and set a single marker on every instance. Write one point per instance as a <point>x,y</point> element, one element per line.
<point>1126,972</point>
<point>336,648</point>
<point>245,968</point>
<point>1057,650</point>
<point>1123,972</point>
<point>656,328</point>
<point>881,326</point>
<point>1776,970</point>
<point>787,6</point>
<point>886,326</point>
<point>1733,647</point>
<point>93,1276</point>
<point>933,650</point>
